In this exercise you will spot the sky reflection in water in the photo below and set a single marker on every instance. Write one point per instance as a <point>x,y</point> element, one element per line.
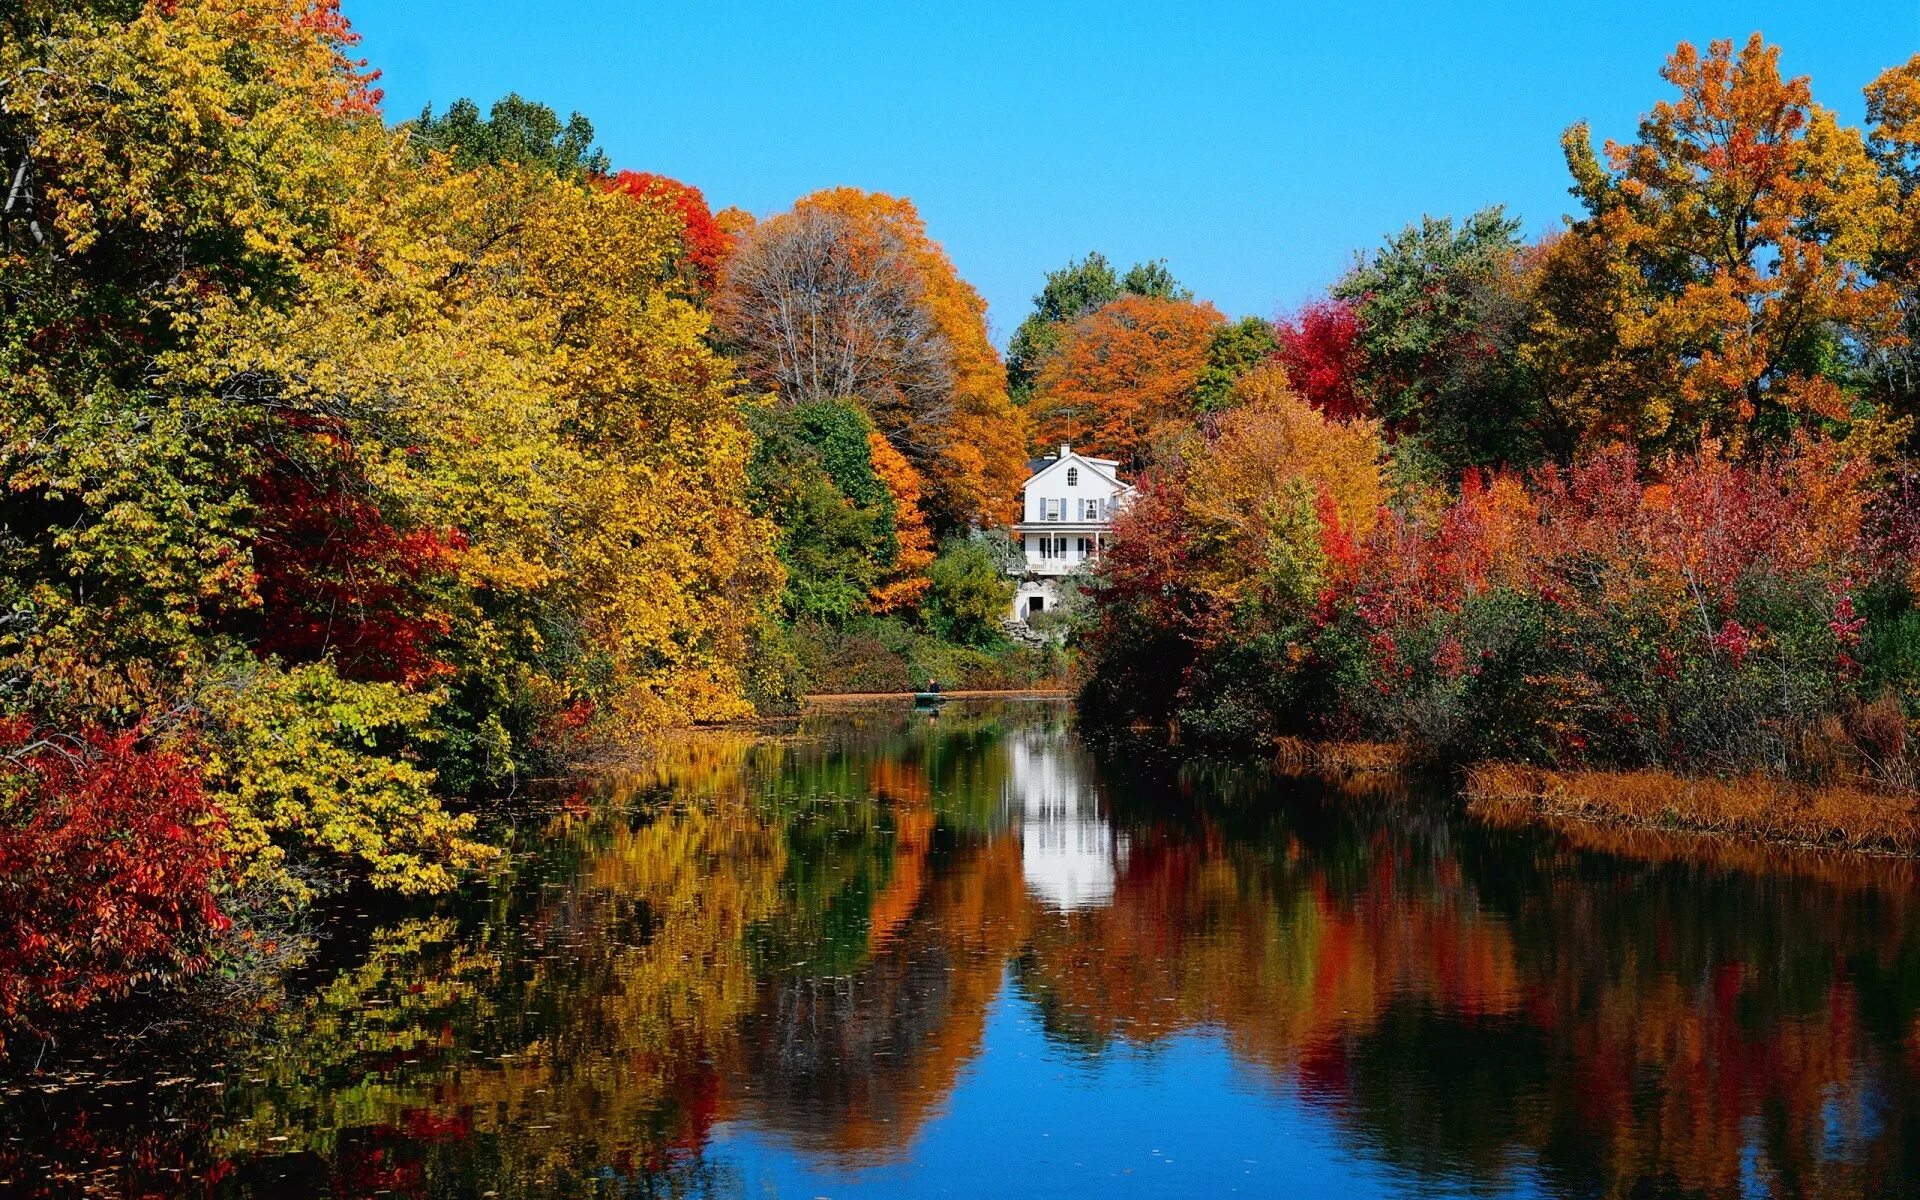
<point>888,956</point>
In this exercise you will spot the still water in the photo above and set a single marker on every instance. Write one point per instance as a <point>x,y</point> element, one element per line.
<point>883,955</point>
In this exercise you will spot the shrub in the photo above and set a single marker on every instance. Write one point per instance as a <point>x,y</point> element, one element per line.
<point>109,863</point>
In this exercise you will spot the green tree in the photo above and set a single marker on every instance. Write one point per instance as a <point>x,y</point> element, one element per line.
<point>1441,321</point>
<point>1233,351</point>
<point>812,475</point>
<point>515,130</point>
<point>969,592</point>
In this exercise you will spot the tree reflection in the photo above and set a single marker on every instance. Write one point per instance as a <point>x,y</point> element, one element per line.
<point>804,935</point>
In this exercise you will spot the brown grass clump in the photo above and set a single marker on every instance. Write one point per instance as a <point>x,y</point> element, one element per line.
<point>1302,754</point>
<point>1836,814</point>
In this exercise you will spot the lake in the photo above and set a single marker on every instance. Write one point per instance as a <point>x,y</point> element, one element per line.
<point>882,953</point>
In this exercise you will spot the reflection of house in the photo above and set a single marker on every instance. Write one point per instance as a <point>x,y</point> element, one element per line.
<point>1066,515</point>
<point>1069,856</point>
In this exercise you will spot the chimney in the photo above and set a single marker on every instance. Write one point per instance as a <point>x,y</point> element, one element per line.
<point>1065,450</point>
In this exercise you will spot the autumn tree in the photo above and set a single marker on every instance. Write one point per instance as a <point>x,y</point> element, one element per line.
<point>847,296</point>
<point>704,243</point>
<point>1893,139</point>
<point>1438,320</point>
<point>1319,347</point>
<point>1720,267</point>
<point>1232,351</point>
<point>1072,292</point>
<point>1123,375</point>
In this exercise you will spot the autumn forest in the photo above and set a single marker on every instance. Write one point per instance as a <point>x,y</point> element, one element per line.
<point>359,468</point>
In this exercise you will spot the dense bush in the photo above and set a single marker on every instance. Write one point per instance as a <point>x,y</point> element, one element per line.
<point>1706,615</point>
<point>110,860</point>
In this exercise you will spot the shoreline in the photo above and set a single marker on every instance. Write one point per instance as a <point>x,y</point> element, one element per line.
<point>1749,810</point>
<point>954,694</point>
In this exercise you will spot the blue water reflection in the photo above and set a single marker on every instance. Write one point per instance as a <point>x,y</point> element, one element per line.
<point>882,955</point>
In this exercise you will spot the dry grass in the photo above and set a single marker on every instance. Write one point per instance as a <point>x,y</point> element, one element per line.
<point>1837,814</point>
<point>1301,754</point>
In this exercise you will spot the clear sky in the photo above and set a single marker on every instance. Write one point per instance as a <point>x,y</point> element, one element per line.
<point>1254,146</point>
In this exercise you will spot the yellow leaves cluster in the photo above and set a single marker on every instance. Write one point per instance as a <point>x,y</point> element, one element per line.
<point>1270,470</point>
<point>303,759</point>
<point>127,113</point>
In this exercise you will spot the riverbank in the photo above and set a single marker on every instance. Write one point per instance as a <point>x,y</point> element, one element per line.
<point>1839,815</point>
<point>956,694</point>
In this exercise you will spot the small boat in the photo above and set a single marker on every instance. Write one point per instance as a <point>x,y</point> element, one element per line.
<point>929,699</point>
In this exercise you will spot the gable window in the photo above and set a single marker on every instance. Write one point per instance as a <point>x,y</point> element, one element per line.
<point>1073,476</point>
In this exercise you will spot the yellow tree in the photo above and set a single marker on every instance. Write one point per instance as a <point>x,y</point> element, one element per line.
<point>1264,481</point>
<point>1721,261</point>
<point>1124,375</point>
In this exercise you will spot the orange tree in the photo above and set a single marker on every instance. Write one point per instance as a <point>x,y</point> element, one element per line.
<point>846,297</point>
<point>1720,266</point>
<point>1124,375</point>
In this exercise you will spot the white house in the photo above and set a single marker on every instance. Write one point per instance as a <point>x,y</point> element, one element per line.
<point>1066,517</point>
<point>1070,856</point>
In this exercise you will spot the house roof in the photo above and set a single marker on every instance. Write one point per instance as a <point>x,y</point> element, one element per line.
<point>1106,466</point>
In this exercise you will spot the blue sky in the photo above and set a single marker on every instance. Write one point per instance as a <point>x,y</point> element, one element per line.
<point>1254,146</point>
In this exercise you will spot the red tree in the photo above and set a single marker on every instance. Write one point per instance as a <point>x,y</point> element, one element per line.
<point>1320,347</point>
<point>108,860</point>
<point>335,577</point>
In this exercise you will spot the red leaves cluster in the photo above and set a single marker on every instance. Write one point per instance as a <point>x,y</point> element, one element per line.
<point>108,861</point>
<point>1320,347</point>
<point>1700,526</point>
<point>706,242</point>
<point>335,577</point>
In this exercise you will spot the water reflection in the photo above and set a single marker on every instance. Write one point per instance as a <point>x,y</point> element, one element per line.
<point>882,957</point>
<point>1069,853</point>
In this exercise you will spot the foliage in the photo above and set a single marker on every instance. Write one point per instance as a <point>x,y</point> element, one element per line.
<point>1223,553</point>
<point>1233,350</point>
<point>847,297</point>
<point>1319,346</point>
<point>968,593</point>
<point>913,540</point>
<point>1123,376</point>
<point>1436,325</point>
<point>518,131</point>
<point>1070,293</point>
<point>356,467</point>
<point>704,244</point>
<point>813,477</point>
<point>1719,257</point>
<point>109,867</point>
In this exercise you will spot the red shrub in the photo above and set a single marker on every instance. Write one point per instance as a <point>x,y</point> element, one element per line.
<point>108,859</point>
